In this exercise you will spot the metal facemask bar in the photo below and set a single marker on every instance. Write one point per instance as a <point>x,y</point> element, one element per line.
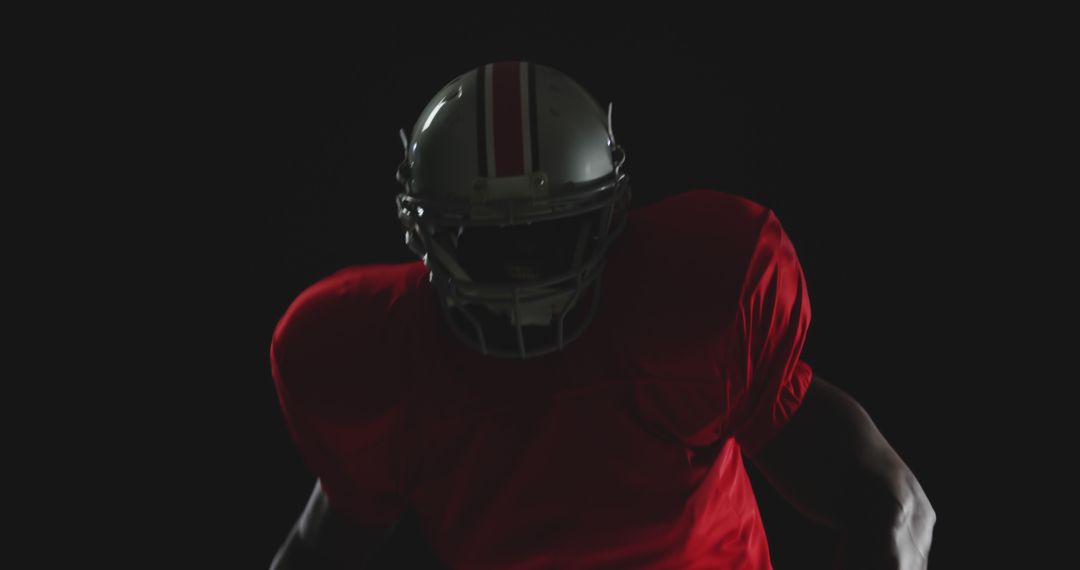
<point>563,338</point>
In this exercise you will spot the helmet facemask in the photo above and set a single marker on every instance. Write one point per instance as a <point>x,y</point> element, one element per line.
<point>491,277</point>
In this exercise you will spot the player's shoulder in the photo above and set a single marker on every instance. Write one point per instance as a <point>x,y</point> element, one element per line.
<point>750,229</point>
<point>336,329</point>
<point>708,210</point>
<point>674,281</point>
<point>720,200</point>
<point>716,231</point>
<point>349,299</point>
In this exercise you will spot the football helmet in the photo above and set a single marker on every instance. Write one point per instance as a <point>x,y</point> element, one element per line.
<point>514,190</point>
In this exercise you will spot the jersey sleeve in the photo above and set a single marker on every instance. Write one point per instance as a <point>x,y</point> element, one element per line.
<point>771,324</point>
<point>343,420</point>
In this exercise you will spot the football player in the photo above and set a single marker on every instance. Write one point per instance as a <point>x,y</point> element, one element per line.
<point>561,381</point>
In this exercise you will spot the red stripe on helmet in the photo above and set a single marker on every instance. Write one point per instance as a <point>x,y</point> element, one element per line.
<point>506,116</point>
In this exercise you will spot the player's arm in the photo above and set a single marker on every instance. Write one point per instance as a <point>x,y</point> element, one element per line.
<point>323,539</point>
<point>831,463</point>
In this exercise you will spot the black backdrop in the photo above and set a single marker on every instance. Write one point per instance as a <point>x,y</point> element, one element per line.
<point>859,141</point>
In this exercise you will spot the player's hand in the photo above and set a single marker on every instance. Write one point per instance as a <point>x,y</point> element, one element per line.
<point>905,546</point>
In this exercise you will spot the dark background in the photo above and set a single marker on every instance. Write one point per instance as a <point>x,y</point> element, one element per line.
<point>868,144</point>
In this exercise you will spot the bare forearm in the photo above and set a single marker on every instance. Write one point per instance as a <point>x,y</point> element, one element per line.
<point>833,464</point>
<point>294,554</point>
<point>322,540</point>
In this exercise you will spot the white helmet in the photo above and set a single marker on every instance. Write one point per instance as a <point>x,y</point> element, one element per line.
<point>513,193</point>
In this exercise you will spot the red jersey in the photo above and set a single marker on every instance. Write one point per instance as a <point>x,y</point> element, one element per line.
<point>625,450</point>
